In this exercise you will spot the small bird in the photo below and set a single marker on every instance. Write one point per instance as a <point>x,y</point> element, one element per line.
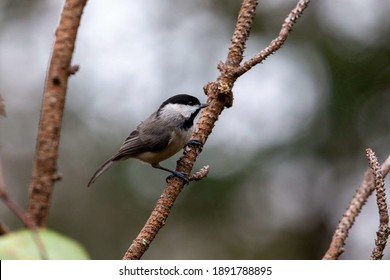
<point>160,136</point>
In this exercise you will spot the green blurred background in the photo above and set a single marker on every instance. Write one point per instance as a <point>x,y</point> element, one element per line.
<point>285,159</point>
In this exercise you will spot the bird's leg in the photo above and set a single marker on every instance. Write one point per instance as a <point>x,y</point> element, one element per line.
<point>174,173</point>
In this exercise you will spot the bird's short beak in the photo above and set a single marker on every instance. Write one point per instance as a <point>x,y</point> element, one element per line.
<point>204,105</point>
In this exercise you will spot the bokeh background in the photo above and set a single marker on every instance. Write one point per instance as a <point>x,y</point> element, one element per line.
<point>285,159</point>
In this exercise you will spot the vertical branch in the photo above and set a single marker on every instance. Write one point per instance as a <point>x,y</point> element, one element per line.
<point>45,163</point>
<point>241,33</point>
<point>383,231</point>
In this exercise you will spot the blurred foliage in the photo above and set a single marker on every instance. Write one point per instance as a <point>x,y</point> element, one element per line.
<point>20,245</point>
<point>277,201</point>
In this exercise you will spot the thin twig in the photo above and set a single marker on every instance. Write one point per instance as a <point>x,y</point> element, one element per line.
<point>383,230</point>
<point>74,69</point>
<point>219,97</point>
<point>46,155</point>
<point>199,175</point>
<point>16,209</point>
<point>24,217</point>
<point>3,227</point>
<point>363,192</point>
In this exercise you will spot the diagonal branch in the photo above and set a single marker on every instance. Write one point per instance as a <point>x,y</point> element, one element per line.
<point>45,163</point>
<point>220,96</point>
<point>24,217</point>
<point>336,247</point>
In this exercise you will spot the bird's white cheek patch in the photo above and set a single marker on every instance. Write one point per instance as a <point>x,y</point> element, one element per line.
<point>171,110</point>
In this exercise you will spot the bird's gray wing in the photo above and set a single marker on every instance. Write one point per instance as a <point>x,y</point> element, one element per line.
<point>144,139</point>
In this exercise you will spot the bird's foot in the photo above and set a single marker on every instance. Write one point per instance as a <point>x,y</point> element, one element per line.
<point>181,175</point>
<point>194,142</point>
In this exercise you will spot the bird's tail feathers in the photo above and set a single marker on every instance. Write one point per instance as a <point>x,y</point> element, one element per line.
<point>107,164</point>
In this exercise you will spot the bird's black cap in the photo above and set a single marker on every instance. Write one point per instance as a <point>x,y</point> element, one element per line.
<point>184,99</point>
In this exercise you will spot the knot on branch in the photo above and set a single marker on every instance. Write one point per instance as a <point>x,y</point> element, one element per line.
<point>56,177</point>
<point>73,69</point>
<point>220,90</point>
<point>228,71</point>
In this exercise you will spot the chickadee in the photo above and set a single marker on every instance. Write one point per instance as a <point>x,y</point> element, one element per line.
<point>160,136</point>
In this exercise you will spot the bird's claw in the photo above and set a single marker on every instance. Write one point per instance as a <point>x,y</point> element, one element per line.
<point>194,142</point>
<point>181,175</point>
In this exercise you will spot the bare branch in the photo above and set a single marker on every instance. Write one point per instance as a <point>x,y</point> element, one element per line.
<point>336,247</point>
<point>383,231</point>
<point>219,97</point>
<point>224,84</point>
<point>241,33</point>
<point>279,41</point>
<point>45,162</point>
